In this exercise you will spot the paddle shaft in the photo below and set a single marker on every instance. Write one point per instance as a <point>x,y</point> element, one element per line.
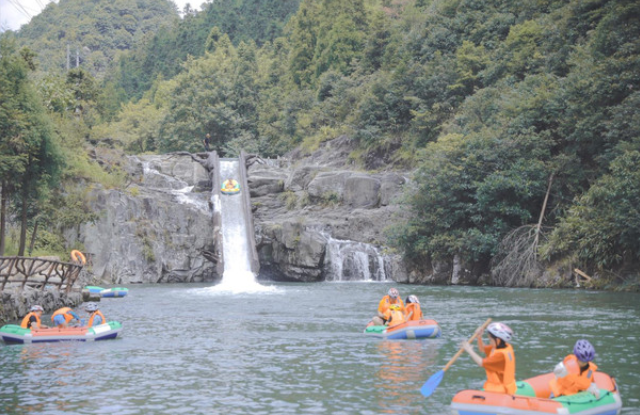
<point>477,332</point>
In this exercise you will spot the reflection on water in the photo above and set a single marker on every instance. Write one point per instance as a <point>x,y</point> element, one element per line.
<point>403,365</point>
<point>299,349</point>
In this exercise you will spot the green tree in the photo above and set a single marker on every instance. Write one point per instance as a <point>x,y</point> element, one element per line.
<point>29,150</point>
<point>602,229</point>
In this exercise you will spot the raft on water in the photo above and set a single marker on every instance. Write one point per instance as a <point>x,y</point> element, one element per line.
<point>108,292</point>
<point>230,187</point>
<point>12,333</point>
<point>532,398</point>
<point>414,329</point>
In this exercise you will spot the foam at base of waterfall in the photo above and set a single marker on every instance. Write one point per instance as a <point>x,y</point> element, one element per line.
<point>237,282</point>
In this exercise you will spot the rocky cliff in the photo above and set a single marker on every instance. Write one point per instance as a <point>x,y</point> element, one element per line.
<point>316,216</point>
<point>158,229</point>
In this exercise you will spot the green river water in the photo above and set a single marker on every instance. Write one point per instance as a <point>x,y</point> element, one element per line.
<point>299,349</point>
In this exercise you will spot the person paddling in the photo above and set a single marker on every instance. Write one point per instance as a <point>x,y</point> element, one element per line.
<point>576,372</point>
<point>500,363</point>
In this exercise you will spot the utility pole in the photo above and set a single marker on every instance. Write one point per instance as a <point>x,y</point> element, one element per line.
<point>77,57</point>
<point>68,58</point>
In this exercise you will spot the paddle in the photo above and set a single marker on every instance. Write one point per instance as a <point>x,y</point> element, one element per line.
<point>430,385</point>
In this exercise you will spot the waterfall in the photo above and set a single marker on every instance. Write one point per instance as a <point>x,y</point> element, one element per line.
<point>237,276</point>
<point>353,261</point>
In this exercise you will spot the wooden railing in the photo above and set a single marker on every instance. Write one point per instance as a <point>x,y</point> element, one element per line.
<point>35,272</point>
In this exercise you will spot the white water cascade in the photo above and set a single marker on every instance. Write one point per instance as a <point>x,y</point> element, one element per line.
<point>154,179</point>
<point>237,276</point>
<point>353,261</point>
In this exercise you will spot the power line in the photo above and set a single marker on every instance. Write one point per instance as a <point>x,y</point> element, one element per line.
<point>20,8</point>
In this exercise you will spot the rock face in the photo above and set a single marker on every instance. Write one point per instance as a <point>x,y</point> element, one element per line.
<point>158,230</point>
<point>316,217</point>
<point>16,302</point>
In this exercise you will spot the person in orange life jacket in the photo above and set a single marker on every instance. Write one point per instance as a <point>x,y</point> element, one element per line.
<point>576,372</point>
<point>413,310</point>
<point>392,297</point>
<point>396,316</point>
<point>96,317</point>
<point>500,363</point>
<point>62,316</point>
<point>32,319</point>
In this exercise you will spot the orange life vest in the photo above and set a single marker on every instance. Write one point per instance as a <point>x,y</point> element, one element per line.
<point>96,313</point>
<point>396,317</point>
<point>25,320</point>
<point>504,382</point>
<point>64,311</point>
<point>383,306</point>
<point>417,311</point>
<point>575,381</point>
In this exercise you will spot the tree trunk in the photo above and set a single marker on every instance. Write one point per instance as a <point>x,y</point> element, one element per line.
<point>544,208</point>
<point>3,216</point>
<point>23,219</point>
<point>33,236</point>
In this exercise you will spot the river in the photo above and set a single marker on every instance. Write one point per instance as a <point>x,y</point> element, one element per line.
<point>299,349</point>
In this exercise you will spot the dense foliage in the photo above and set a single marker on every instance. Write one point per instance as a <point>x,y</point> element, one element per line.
<point>92,32</point>
<point>258,21</point>
<point>512,114</point>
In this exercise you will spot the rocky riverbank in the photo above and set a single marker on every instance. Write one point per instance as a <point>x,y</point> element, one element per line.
<point>16,302</point>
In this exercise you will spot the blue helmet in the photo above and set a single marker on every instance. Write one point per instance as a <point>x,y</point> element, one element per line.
<point>584,351</point>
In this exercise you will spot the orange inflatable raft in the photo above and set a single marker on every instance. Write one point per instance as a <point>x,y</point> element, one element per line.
<point>532,398</point>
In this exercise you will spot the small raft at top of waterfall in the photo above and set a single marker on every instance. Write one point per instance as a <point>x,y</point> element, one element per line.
<point>230,186</point>
<point>108,292</point>
<point>413,329</point>
<point>12,333</point>
<point>532,398</point>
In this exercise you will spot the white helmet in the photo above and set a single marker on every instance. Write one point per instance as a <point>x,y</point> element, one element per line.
<point>412,299</point>
<point>37,308</point>
<point>91,306</point>
<point>501,331</point>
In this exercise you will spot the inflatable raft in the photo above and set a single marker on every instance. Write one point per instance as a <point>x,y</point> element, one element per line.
<point>532,398</point>
<point>414,329</point>
<point>108,292</point>
<point>230,187</point>
<point>12,333</point>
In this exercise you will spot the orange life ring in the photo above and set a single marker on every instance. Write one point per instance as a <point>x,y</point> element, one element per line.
<point>78,256</point>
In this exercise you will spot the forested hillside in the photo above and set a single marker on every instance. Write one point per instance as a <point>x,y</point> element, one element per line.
<point>520,119</point>
<point>257,21</point>
<point>94,31</point>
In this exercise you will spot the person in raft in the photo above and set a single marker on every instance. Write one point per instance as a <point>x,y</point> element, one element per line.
<point>500,363</point>
<point>576,372</point>
<point>412,309</point>
<point>96,317</point>
<point>392,297</point>
<point>396,316</point>
<point>63,316</point>
<point>32,319</point>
